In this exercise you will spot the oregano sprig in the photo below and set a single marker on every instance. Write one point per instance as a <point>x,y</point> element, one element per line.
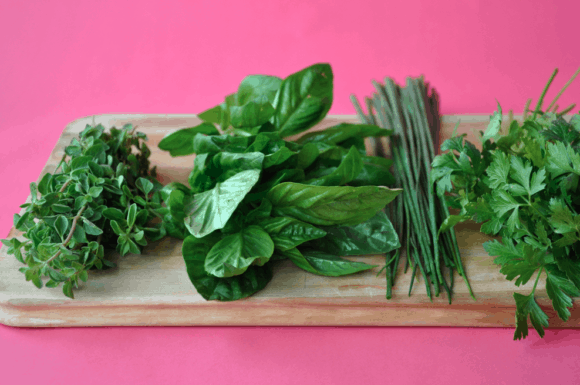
<point>101,196</point>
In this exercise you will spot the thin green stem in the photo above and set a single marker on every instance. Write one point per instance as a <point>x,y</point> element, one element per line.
<point>541,100</point>
<point>70,234</point>
<point>537,279</point>
<point>563,89</point>
<point>565,111</point>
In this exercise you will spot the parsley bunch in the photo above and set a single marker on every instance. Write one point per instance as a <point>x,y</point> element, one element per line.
<point>523,186</point>
<point>101,196</point>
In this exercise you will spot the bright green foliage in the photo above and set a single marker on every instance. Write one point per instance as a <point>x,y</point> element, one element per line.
<point>523,186</point>
<point>255,198</point>
<point>102,196</point>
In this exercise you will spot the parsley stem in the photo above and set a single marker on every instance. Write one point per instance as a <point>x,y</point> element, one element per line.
<point>537,211</point>
<point>541,100</point>
<point>537,279</point>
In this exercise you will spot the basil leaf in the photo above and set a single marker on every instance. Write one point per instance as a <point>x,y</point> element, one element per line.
<point>261,212</point>
<point>259,142</point>
<point>212,115</point>
<point>307,155</point>
<point>288,233</point>
<point>215,143</point>
<point>321,263</point>
<point>304,99</point>
<point>261,191</point>
<point>258,86</point>
<point>340,133</point>
<point>252,114</point>
<point>197,179</point>
<point>278,157</point>
<point>212,209</point>
<point>329,206</point>
<point>228,161</point>
<point>375,236</point>
<point>375,172</point>
<point>195,250</point>
<point>207,172</point>
<point>349,169</point>
<point>233,254</point>
<point>180,143</point>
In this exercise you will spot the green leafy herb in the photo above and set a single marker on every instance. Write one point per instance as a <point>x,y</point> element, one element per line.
<point>102,196</point>
<point>255,198</point>
<point>522,186</point>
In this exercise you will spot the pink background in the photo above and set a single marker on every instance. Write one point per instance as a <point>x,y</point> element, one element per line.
<point>61,60</point>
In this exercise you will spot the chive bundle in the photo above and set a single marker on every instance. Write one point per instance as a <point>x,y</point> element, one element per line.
<point>412,112</point>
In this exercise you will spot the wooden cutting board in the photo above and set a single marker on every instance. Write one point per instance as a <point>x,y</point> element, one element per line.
<point>154,289</point>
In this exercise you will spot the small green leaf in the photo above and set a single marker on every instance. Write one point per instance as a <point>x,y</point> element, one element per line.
<point>133,248</point>
<point>60,209</point>
<point>450,222</point>
<point>79,235</point>
<point>91,228</point>
<point>131,215</point>
<point>95,191</point>
<point>56,275</point>
<point>116,228</point>
<point>492,131</point>
<point>67,289</point>
<point>84,276</point>
<point>114,214</point>
<point>61,225</point>
<point>44,184</point>
<point>526,305</point>
<point>144,185</point>
<point>80,162</point>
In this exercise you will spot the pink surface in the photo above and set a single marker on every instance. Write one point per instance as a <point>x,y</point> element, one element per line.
<point>67,59</point>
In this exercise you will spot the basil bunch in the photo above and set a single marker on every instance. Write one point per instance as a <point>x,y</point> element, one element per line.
<point>254,198</point>
<point>102,197</point>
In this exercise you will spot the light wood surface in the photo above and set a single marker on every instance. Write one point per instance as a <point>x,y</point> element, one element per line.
<point>153,288</point>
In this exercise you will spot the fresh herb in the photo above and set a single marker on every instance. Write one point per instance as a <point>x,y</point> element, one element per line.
<point>101,196</point>
<point>255,197</point>
<point>523,186</point>
<point>412,112</point>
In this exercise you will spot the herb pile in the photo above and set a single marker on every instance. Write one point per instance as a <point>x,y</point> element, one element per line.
<point>255,198</point>
<point>524,187</point>
<point>412,113</point>
<point>101,196</point>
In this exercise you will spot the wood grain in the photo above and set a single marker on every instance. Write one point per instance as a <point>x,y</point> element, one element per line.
<point>153,288</point>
